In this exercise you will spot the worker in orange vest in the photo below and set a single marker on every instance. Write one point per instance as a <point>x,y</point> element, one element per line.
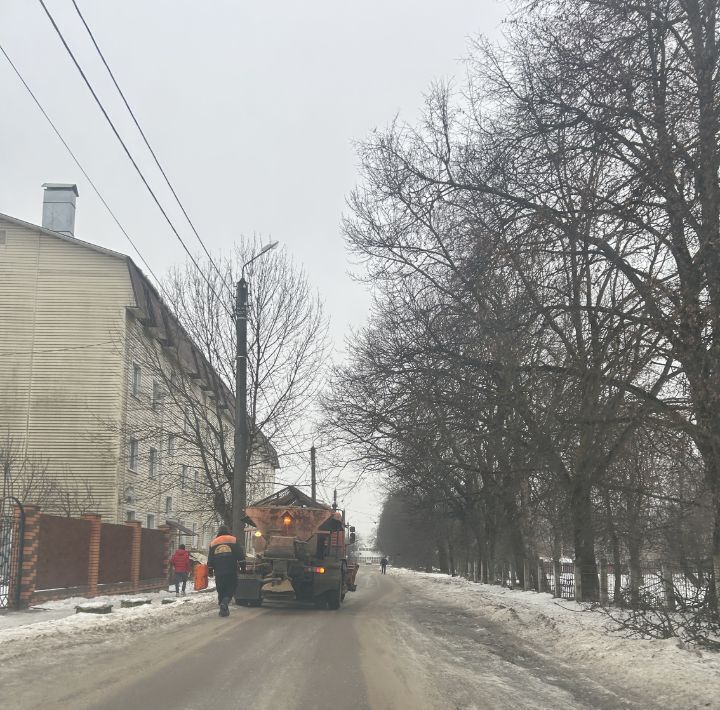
<point>223,558</point>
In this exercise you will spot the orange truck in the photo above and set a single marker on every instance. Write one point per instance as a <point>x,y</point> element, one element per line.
<point>298,552</point>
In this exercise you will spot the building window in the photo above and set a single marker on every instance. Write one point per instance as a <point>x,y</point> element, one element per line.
<point>133,455</point>
<point>153,463</point>
<point>168,504</point>
<point>196,482</point>
<point>183,477</point>
<point>171,444</point>
<point>156,395</point>
<point>136,380</point>
<point>129,516</point>
<point>150,521</point>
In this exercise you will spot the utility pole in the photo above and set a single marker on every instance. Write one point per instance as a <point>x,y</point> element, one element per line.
<point>312,473</point>
<point>242,431</point>
<point>241,424</point>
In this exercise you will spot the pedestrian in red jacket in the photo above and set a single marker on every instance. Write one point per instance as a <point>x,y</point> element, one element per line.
<point>181,563</point>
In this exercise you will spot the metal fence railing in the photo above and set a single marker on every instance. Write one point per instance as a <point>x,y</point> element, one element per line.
<point>650,583</point>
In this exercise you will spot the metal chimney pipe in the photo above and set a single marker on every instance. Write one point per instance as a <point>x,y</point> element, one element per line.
<point>59,207</point>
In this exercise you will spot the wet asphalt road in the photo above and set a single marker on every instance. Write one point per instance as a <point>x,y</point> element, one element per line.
<point>389,647</point>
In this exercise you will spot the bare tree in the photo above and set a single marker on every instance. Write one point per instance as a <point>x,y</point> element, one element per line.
<point>287,349</point>
<point>574,176</point>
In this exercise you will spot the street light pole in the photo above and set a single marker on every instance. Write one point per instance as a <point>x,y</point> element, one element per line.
<point>241,425</point>
<point>240,461</point>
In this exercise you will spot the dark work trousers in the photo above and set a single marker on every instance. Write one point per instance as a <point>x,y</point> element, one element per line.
<point>180,577</point>
<point>225,585</point>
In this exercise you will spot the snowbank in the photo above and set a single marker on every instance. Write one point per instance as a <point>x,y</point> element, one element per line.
<point>664,669</point>
<point>55,623</point>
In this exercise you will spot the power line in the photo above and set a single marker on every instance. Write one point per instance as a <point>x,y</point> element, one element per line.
<point>147,143</point>
<point>129,155</point>
<point>83,171</point>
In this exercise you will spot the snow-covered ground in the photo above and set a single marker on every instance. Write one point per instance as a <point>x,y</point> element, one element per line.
<point>568,630</point>
<point>56,622</point>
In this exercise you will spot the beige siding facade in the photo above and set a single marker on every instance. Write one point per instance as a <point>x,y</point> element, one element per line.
<point>62,323</point>
<point>168,480</point>
<point>85,376</point>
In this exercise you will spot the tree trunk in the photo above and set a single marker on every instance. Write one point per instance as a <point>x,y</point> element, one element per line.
<point>715,581</point>
<point>617,573</point>
<point>711,459</point>
<point>442,556</point>
<point>451,557</point>
<point>584,541</point>
<point>635,572</point>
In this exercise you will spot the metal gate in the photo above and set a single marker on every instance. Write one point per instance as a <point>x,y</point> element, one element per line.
<point>12,527</point>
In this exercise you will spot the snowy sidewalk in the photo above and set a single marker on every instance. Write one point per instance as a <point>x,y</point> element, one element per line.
<point>687,678</point>
<point>56,621</point>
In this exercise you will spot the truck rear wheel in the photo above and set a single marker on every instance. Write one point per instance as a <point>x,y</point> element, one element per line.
<point>335,596</point>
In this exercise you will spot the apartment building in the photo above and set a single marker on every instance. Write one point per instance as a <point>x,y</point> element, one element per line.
<point>100,383</point>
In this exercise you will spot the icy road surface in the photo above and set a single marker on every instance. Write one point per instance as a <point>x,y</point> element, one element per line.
<point>401,641</point>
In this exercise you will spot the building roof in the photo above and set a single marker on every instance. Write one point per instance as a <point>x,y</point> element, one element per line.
<point>182,529</point>
<point>64,237</point>
<point>156,314</point>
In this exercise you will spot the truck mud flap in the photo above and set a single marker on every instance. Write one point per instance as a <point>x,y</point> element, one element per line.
<point>248,590</point>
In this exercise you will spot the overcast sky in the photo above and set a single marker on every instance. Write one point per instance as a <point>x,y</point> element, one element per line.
<point>252,107</point>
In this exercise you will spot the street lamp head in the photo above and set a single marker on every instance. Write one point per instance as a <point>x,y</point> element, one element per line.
<point>265,249</point>
<point>268,247</point>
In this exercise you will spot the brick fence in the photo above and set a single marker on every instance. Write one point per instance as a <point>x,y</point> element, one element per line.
<point>66,557</point>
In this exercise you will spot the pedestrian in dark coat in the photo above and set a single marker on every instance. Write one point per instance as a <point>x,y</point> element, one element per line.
<point>383,564</point>
<point>223,558</point>
<point>181,564</point>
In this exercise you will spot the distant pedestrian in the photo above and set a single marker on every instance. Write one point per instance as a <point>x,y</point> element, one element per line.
<point>223,558</point>
<point>383,564</point>
<point>181,564</point>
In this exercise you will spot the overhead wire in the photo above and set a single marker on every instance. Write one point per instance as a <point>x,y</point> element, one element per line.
<point>84,172</point>
<point>130,156</point>
<point>147,143</point>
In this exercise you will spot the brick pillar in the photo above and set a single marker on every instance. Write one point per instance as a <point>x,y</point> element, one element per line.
<point>28,563</point>
<point>93,553</point>
<point>167,553</point>
<point>135,553</point>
